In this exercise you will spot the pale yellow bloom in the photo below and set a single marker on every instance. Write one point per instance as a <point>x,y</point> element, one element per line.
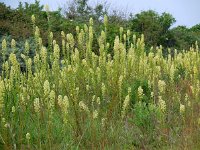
<point>13,109</point>
<point>161,85</point>
<point>140,92</point>
<point>125,105</point>
<point>37,105</point>
<point>46,87</point>
<point>33,18</point>
<point>182,108</point>
<point>95,114</point>
<point>161,104</point>
<point>28,136</point>
<point>83,106</point>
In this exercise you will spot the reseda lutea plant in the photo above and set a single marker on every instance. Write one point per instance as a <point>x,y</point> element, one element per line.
<point>71,97</point>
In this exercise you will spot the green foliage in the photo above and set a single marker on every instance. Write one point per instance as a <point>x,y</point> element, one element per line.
<point>146,117</point>
<point>155,27</point>
<point>134,91</point>
<point>185,37</point>
<point>180,74</point>
<point>147,120</point>
<point>20,48</point>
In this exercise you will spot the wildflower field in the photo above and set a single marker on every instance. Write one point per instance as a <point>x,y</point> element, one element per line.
<point>119,96</point>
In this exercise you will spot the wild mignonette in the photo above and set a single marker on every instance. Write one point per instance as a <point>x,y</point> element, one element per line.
<point>103,90</point>
<point>125,105</point>
<point>98,101</point>
<point>91,22</point>
<point>65,104</point>
<point>33,19</point>
<point>13,44</point>
<point>105,20</point>
<point>161,85</point>
<point>161,104</point>
<point>1,96</point>
<point>182,109</point>
<point>95,114</point>
<point>60,101</point>
<point>140,92</point>
<point>46,87</point>
<point>13,109</point>
<point>83,106</point>
<point>4,45</point>
<point>120,85</point>
<point>43,54</point>
<point>37,105</point>
<point>56,53</point>
<point>77,29</point>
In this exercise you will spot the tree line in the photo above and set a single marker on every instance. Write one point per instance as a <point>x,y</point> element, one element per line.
<point>157,28</point>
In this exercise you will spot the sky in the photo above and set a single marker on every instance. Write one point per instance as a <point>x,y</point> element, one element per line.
<point>186,12</point>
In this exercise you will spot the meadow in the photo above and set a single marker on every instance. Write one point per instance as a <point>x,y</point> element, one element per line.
<point>119,96</point>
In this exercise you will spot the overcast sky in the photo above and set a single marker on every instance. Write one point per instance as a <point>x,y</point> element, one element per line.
<point>186,12</point>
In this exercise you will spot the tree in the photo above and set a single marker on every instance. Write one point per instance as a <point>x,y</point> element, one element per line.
<point>78,10</point>
<point>155,27</point>
<point>186,37</point>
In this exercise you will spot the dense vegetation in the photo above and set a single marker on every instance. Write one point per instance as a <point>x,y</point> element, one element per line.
<point>96,87</point>
<point>157,28</point>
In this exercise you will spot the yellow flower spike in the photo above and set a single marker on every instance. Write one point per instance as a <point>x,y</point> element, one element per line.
<point>125,105</point>
<point>51,102</point>
<point>36,104</point>
<point>13,44</point>
<point>95,114</point>
<point>70,39</point>
<point>93,98</point>
<point>46,87</point>
<point>77,29</point>
<point>182,109</point>
<point>37,33</point>
<point>103,90</point>
<point>85,28</point>
<point>13,109</point>
<point>98,101</point>
<point>105,20</point>
<point>65,104</point>
<point>161,85</point>
<point>60,101</point>
<point>140,92</point>
<point>1,96</point>
<point>33,19</point>
<point>28,136</point>
<point>56,53</point>
<point>83,106</point>
<point>120,85</point>
<point>161,104</point>
<point>121,30</point>
<point>128,33</point>
<point>91,22</point>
